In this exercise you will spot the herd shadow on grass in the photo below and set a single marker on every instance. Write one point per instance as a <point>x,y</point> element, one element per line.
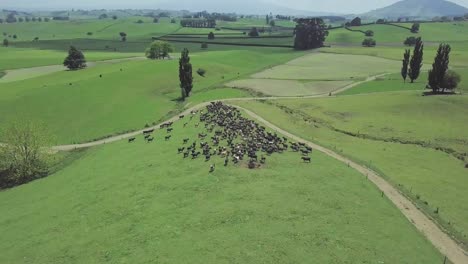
<point>228,135</point>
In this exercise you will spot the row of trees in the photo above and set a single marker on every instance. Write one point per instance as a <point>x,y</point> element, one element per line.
<point>440,78</point>
<point>12,19</point>
<point>198,23</point>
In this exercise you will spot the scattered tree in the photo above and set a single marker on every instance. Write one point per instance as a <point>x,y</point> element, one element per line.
<point>114,17</point>
<point>39,19</point>
<point>46,19</point>
<point>123,36</point>
<point>36,39</point>
<point>20,19</point>
<point>34,19</point>
<point>1,20</point>
<point>11,18</point>
<point>204,45</point>
<point>369,42</point>
<point>15,36</point>
<point>155,20</point>
<point>381,21</point>
<point>159,50</point>
<point>75,59</point>
<point>140,21</point>
<point>173,21</point>
<point>410,41</point>
<point>451,80</point>
<point>415,28</point>
<point>89,33</point>
<point>437,75</point>
<point>309,33</point>
<point>254,32</point>
<point>404,68</point>
<point>201,72</point>
<point>267,19</point>
<point>416,60</point>
<point>27,19</point>
<point>211,35</point>
<point>272,23</point>
<point>24,158</point>
<point>6,43</point>
<point>185,74</point>
<point>103,16</point>
<point>356,22</point>
<point>369,33</point>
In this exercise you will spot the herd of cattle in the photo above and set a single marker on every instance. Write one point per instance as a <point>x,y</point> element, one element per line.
<point>227,134</point>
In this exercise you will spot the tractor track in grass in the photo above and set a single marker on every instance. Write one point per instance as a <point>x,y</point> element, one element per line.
<point>441,240</point>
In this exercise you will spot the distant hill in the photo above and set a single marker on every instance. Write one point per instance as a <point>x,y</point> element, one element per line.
<point>418,9</point>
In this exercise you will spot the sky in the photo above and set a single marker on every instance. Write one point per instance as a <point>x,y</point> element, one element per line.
<point>333,6</point>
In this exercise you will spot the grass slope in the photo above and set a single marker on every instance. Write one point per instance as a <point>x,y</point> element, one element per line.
<point>143,203</point>
<point>142,93</point>
<point>434,179</point>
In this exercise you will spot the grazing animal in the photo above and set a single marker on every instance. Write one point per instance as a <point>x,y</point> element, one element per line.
<point>147,136</point>
<point>150,140</point>
<point>181,116</point>
<point>226,162</point>
<point>186,154</point>
<point>168,137</point>
<point>212,168</point>
<point>306,159</point>
<point>186,140</point>
<point>181,150</point>
<point>169,130</point>
<point>130,140</point>
<point>149,131</point>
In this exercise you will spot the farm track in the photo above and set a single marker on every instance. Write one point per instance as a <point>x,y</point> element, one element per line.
<point>32,72</point>
<point>442,241</point>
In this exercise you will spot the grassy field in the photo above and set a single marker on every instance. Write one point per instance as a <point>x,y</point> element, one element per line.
<point>93,107</point>
<point>16,58</point>
<point>402,146</point>
<point>288,87</point>
<point>143,203</point>
<point>326,67</point>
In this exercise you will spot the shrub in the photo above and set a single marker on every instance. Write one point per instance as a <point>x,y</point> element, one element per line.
<point>46,19</point>
<point>140,21</point>
<point>211,35</point>
<point>451,80</point>
<point>410,41</point>
<point>217,29</point>
<point>369,33</point>
<point>201,72</point>
<point>15,36</point>
<point>415,28</point>
<point>89,33</point>
<point>155,20</point>
<point>355,22</point>
<point>6,42</point>
<point>36,39</point>
<point>114,17</point>
<point>204,45</point>
<point>254,32</point>
<point>381,21</point>
<point>369,42</point>
<point>173,21</point>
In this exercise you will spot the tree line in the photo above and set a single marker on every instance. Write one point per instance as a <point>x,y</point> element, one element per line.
<point>198,23</point>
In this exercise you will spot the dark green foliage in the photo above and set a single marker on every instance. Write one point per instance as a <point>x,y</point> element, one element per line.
<point>159,50</point>
<point>369,42</point>
<point>267,19</point>
<point>437,75</point>
<point>6,42</point>
<point>381,21</point>
<point>123,36</point>
<point>254,32</point>
<point>356,22</point>
<point>211,35</point>
<point>39,19</point>
<point>15,36</point>
<point>185,74</point>
<point>89,33</point>
<point>1,20</point>
<point>451,80</point>
<point>201,72</point>
<point>404,68</point>
<point>410,41</point>
<point>34,19</point>
<point>369,33</point>
<point>173,21</point>
<point>309,33</point>
<point>11,18</point>
<point>155,20</point>
<point>416,60</point>
<point>204,45</point>
<point>20,19</point>
<point>75,59</point>
<point>272,23</point>
<point>46,19</point>
<point>103,16</point>
<point>114,17</point>
<point>415,28</point>
<point>140,21</point>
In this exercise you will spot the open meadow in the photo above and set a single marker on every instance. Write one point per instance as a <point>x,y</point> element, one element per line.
<point>127,199</point>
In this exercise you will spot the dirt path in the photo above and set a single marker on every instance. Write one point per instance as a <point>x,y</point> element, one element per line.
<point>28,73</point>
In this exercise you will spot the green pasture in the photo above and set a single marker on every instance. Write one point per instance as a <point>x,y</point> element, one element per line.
<point>325,67</point>
<point>16,58</point>
<point>128,96</point>
<point>143,203</point>
<point>288,87</point>
<point>369,129</point>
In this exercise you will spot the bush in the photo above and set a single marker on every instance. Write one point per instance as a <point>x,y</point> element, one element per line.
<point>410,41</point>
<point>173,21</point>
<point>140,21</point>
<point>114,17</point>
<point>415,28</point>
<point>6,42</point>
<point>355,22</point>
<point>155,20</point>
<point>217,29</point>
<point>451,80</point>
<point>369,42</point>
<point>369,33</point>
<point>15,36</point>
<point>201,72</point>
<point>254,32</point>
<point>204,45</point>
<point>89,33</point>
<point>381,21</point>
<point>211,35</point>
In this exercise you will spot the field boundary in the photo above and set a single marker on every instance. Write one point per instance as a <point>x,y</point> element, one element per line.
<point>224,43</point>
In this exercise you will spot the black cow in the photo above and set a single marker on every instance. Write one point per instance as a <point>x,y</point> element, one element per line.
<point>306,159</point>
<point>130,140</point>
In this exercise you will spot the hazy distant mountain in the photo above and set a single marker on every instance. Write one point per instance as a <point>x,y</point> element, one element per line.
<point>418,8</point>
